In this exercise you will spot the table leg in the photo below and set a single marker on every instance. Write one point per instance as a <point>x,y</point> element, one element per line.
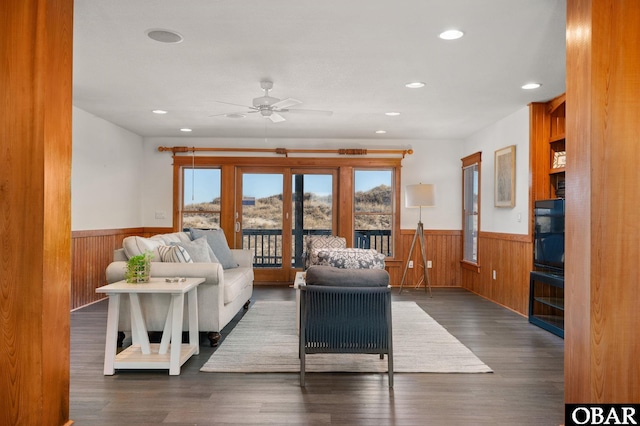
<point>166,332</point>
<point>194,337</point>
<point>177,302</point>
<point>112,334</point>
<point>138,327</point>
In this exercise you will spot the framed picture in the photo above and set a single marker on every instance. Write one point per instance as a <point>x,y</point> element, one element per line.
<point>505,177</point>
<point>559,159</point>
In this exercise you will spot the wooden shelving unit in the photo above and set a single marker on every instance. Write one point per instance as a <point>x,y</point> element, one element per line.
<point>547,140</point>
<point>547,143</point>
<point>546,302</point>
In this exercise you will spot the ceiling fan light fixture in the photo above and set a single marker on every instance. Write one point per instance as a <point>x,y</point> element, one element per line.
<point>451,35</point>
<point>264,101</point>
<point>415,85</point>
<point>531,86</point>
<point>164,36</point>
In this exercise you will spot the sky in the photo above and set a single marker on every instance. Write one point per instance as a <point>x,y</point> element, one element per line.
<point>206,185</point>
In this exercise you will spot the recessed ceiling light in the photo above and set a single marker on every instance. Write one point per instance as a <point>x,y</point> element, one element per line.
<point>392,114</point>
<point>164,36</point>
<point>186,130</point>
<point>451,34</point>
<point>530,86</point>
<point>235,115</point>
<point>159,111</point>
<point>415,85</point>
<point>381,132</point>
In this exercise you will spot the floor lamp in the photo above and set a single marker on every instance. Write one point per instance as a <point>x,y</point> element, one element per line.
<point>420,195</point>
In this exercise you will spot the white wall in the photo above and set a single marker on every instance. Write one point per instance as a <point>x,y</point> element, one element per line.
<point>511,130</point>
<point>432,162</point>
<point>111,166</point>
<point>105,175</point>
<point>436,162</point>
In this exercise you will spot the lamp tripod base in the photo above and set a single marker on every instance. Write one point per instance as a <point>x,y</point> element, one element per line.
<point>419,235</point>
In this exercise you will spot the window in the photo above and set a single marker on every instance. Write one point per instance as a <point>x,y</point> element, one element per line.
<point>355,198</point>
<point>470,209</point>
<point>200,198</point>
<point>373,204</point>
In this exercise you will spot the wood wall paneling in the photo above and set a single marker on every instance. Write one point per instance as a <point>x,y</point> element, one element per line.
<point>443,248</point>
<point>602,337</point>
<point>511,256</point>
<point>92,251</point>
<point>35,199</point>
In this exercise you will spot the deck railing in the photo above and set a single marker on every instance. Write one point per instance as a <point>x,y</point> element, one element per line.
<point>266,244</point>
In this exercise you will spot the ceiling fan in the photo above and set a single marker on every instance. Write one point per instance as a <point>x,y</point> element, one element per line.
<point>270,107</point>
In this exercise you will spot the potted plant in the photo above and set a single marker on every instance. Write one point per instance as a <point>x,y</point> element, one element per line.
<point>138,268</point>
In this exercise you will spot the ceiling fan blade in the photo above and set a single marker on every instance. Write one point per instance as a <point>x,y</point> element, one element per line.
<point>243,106</point>
<point>286,103</point>
<point>308,111</point>
<point>233,114</point>
<point>276,118</point>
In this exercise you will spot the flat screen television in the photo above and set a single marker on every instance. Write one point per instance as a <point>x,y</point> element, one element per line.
<point>548,248</point>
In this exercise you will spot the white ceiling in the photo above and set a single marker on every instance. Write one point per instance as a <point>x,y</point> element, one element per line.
<point>352,57</point>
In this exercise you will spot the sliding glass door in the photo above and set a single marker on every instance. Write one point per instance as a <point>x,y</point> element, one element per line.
<point>276,208</point>
<point>312,206</point>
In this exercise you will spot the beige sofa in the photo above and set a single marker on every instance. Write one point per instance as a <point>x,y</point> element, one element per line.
<point>220,297</point>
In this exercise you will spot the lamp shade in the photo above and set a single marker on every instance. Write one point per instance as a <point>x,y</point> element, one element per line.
<point>420,195</point>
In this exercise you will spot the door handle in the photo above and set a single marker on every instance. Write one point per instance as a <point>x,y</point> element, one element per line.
<point>237,226</point>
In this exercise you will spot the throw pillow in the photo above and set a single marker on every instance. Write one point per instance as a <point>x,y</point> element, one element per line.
<point>218,243</point>
<point>351,258</point>
<point>316,243</point>
<point>174,254</point>
<point>134,246</point>
<point>197,249</point>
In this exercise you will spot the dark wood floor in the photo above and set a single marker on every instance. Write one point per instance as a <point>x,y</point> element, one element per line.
<point>526,387</point>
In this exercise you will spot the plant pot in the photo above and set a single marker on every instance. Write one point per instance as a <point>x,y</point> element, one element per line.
<point>139,275</point>
<point>138,269</point>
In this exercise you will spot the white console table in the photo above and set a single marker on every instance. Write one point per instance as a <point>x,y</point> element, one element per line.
<point>141,354</point>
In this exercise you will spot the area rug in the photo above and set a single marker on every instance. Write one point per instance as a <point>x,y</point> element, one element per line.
<point>265,340</point>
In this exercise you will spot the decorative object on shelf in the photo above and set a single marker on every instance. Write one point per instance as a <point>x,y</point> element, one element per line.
<point>560,189</point>
<point>420,195</point>
<point>505,177</point>
<point>559,159</point>
<point>138,268</point>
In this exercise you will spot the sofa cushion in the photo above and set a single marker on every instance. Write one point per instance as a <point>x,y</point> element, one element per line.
<point>174,254</point>
<point>172,237</point>
<point>134,246</point>
<point>330,276</point>
<point>198,249</point>
<point>235,281</point>
<point>218,243</point>
<point>316,243</point>
<point>351,258</point>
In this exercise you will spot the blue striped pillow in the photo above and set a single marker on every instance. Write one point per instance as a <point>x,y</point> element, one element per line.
<point>174,254</point>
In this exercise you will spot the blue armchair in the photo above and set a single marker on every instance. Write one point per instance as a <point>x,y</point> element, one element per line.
<point>346,319</point>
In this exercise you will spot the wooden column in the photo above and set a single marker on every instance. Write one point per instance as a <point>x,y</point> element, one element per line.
<point>602,294</point>
<point>35,224</point>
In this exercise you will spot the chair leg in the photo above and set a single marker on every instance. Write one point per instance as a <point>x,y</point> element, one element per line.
<point>302,367</point>
<point>390,368</point>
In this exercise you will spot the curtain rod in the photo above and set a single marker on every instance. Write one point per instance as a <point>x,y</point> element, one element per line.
<point>285,151</point>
